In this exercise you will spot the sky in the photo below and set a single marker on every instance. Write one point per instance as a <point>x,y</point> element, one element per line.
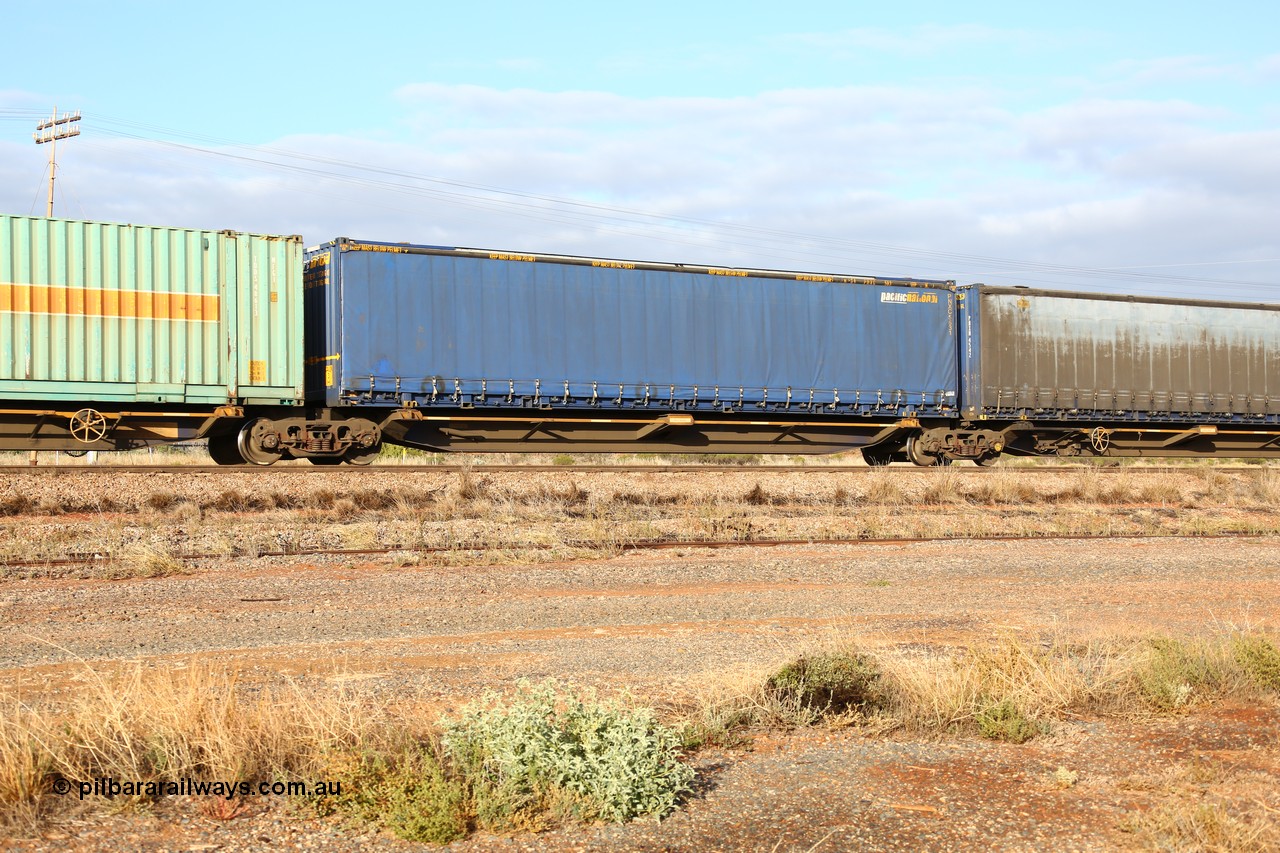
<point>1131,149</point>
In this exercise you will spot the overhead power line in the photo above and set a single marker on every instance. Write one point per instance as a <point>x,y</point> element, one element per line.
<point>624,220</point>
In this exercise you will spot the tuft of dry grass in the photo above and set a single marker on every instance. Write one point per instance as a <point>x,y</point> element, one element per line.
<point>1206,826</point>
<point>230,500</point>
<point>16,505</point>
<point>943,487</point>
<point>26,765</point>
<point>1162,491</point>
<point>192,722</point>
<point>881,487</point>
<point>469,487</point>
<point>161,501</point>
<point>1265,486</point>
<point>196,722</point>
<point>1117,490</point>
<point>151,561</point>
<point>1003,487</point>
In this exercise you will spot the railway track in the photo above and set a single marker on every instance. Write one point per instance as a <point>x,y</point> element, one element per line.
<point>278,470</point>
<point>106,558</point>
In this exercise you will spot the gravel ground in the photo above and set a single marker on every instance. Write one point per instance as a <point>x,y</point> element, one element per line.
<point>657,619</point>
<point>665,625</point>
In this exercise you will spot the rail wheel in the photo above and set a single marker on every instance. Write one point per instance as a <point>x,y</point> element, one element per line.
<point>363,455</point>
<point>258,443</point>
<point>223,450</point>
<point>924,460</point>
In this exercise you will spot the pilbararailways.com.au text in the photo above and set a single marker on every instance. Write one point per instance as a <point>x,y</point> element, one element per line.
<point>110,788</point>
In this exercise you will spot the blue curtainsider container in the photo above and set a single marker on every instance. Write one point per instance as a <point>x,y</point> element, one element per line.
<point>391,324</point>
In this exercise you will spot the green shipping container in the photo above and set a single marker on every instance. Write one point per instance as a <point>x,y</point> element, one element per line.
<point>95,311</point>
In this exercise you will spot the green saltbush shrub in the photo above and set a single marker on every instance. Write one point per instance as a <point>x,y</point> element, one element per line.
<point>545,750</point>
<point>828,681</point>
<point>1175,672</point>
<point>404,789</point>
<point>1005,721</point>
<point>1258,656</point>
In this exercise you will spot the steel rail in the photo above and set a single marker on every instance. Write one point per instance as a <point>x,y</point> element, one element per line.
<point>453,468</point>
<point>101,558</point>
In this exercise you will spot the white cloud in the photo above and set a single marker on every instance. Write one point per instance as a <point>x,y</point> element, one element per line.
<point>1088,135</point>
<point>1239,165</point>
<point>1172,69</point>
<point>829,178</point>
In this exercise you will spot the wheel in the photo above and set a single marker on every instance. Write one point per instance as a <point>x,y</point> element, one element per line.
<point>925,460</point>
<point>223,450</point>
<point>250,443</point>
<point>325,460</point>
<point>88,425</point>
<point>363,455</point>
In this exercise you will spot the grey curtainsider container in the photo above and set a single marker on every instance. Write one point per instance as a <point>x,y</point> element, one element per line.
<point>1055,355</point>
<point>392,324</point>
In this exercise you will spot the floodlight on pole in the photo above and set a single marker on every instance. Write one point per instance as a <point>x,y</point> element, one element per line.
<point>58,127</point>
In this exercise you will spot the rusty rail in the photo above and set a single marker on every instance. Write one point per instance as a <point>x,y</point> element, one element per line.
<point>105,558</point>
<point>279,470</point>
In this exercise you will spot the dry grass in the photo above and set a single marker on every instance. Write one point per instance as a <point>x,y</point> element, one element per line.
<point>1011,689</point>
<point>1265,486</point>
<point>26,766</point>
<point>1199,812</point>
<point>392,768</point>
<point>1004,487</point>
<point>193,722</point>
<point>466,511</point>
<point>145,561</point>
<point>196,722</point>
<point>883,488</point>
<point>943,487</point>
<point>1213,827</point>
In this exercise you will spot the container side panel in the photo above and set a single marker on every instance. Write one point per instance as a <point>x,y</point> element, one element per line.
<point>1126,357</point>
<point>417,325</point>
<point>90,308</point>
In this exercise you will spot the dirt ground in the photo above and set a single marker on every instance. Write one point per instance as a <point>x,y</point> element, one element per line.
<point>667,625</point>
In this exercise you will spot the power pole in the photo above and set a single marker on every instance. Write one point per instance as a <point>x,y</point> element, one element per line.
<point>51,131</point>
